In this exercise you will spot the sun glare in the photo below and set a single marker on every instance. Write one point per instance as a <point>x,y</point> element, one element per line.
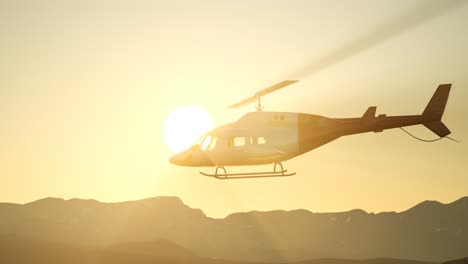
<point>184,126</point>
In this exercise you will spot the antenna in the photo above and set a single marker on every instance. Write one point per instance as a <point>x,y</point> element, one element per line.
<point>258,95</point>
<point>259,107</point>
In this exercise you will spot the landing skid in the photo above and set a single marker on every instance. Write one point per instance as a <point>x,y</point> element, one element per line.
<point>247,175</point>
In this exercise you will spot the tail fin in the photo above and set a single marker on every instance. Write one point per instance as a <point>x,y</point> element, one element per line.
<point>436,105</point>
<point>435,109</point>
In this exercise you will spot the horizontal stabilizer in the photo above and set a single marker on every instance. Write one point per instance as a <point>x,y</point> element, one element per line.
<point>438,128</point>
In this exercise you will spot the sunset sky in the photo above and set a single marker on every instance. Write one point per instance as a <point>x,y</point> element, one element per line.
<point>86,87</point>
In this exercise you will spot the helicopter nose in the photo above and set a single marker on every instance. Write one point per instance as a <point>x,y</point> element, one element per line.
<point>190,158</point>
<point>181,159</point>
<point>173,160</point>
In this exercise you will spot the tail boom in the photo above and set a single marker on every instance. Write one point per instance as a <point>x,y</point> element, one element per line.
<point>430,118</point>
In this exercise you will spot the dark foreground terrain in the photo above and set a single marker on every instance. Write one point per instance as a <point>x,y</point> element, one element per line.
<point>20,250</point>
<point>164,230</point>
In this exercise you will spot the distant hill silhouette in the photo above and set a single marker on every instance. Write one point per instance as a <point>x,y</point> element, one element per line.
<point>429,231</point>
<point>458,261</point>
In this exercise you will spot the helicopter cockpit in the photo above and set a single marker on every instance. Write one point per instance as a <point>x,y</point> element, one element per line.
<point>211,145</point>
<point>205,142</point>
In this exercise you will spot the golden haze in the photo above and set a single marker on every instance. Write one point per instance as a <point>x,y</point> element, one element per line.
<point>86,88</point>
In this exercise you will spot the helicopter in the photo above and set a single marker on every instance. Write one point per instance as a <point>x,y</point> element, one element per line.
<point>261,137</point>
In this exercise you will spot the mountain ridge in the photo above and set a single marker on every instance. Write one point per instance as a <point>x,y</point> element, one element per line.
<point>429,231</point>
<point>463,201</point>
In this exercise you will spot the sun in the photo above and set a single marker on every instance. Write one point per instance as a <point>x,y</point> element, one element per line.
<point>184,126</point>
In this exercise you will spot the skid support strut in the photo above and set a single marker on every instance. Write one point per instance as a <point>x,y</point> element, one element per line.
<point>246,175</point>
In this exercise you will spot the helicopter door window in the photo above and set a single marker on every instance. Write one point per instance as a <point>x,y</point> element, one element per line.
<point>261,140</point>
<point>253,140</point>
<point>239,141</point>
<point>257,140</point>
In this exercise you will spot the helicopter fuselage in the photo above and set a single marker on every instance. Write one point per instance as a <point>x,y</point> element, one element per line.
<point>272,137</point>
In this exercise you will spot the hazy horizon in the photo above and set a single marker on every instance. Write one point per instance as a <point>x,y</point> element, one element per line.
<point>235,212</point>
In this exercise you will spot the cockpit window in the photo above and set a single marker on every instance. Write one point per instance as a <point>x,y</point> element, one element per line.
<point>213,143</point>
<point>200,140</point>
<point>206,143</point>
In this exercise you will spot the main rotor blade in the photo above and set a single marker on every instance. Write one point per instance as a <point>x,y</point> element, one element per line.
<point>275,87</point>
<point>413,17</point>
<point>244,102</point>
<point>262,93</point>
